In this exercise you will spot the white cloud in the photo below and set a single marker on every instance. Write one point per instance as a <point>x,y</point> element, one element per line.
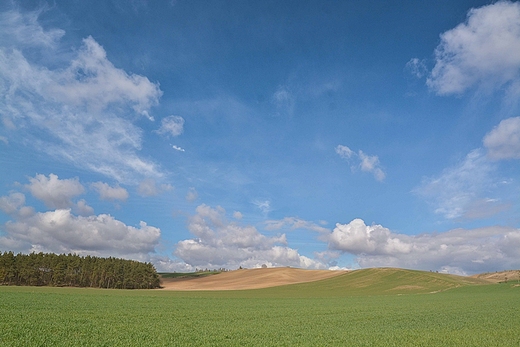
<point>81,112</point>
<point>93,82</point>
<point>367,163</point>
<point>60,231</point>
<point>106,192</point>
<point>166,264</point>
<point>503,142</point>
<point>172,125</point>
<point>294,223</point>
<point>220,243</point>
<point>344,151</point>
<point>25,31</point>
<point>370,163</point>
<point>284,101</point>
<point>148,187</point>
<point>177,148</point>
<point>357,238</point>
<point>192,195</point>
<point>417,67</point>
<point>458,250</point>
<point>237,215</point>
<point>458,187</point>
<point>12,203</point>
<point>483,52</point>
<point>54,192</point>
<point>83,209</point>
<point>473,189</point>
<point>263,205</point>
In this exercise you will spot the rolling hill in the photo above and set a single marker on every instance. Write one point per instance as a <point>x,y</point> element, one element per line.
<point>374,281</point>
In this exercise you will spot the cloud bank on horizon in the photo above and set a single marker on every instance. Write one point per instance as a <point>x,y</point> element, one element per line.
<point>280,132</point>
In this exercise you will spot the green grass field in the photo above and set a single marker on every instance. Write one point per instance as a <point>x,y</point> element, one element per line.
<point>366,308</point>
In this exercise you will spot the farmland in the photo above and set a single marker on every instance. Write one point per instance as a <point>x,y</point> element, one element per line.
<point>375,307</point>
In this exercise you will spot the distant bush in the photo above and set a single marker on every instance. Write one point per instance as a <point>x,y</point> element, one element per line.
<point>71,270</point>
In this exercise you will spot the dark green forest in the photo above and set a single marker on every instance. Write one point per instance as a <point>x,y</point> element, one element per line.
<point>71,270</point>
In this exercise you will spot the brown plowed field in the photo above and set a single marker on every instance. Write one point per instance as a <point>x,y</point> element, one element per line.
<point>248,279</point>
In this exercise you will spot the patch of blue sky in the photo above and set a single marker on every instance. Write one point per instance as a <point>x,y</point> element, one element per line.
<point>230,133</point>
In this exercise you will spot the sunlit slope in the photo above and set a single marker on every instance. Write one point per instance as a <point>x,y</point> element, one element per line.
<point>248,279</point>
<point>377,281</point>
<point>500,276</point>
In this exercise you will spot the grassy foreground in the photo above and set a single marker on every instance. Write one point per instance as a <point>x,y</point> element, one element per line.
<point>312,314</point>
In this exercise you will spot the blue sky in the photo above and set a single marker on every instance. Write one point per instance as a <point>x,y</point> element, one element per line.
<point>208,134</point>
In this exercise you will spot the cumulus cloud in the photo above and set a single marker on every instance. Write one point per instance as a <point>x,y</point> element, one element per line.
<point>60,231</point>
<point>166,264</point>
<point>106,192</point>
<point>55,192</point>
<point>367,163</point>
<point>458,251</point>
<point>482,52</point>
<point>82,111</point>
<point>503,142</point>
<point>357,238</point>
<point>177,148</point>
<point>220,243</point>
<point>83,209</point>
<point>12,203</point>
<point>172,125</point>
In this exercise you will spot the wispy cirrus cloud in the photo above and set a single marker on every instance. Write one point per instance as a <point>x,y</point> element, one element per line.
<point>81,112</point>
<point>294,223</point>
<point>23,30</point>
<point>363,161</point>
<point>456,188</point>
<point>263,205</point>
<point>473,188</point>
<point>172,126</point>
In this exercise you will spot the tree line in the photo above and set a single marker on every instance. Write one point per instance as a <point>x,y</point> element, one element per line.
<point>61,270</point>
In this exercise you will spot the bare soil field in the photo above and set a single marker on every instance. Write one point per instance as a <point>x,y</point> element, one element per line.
<point>499,276</point>
<point>248,279</point>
